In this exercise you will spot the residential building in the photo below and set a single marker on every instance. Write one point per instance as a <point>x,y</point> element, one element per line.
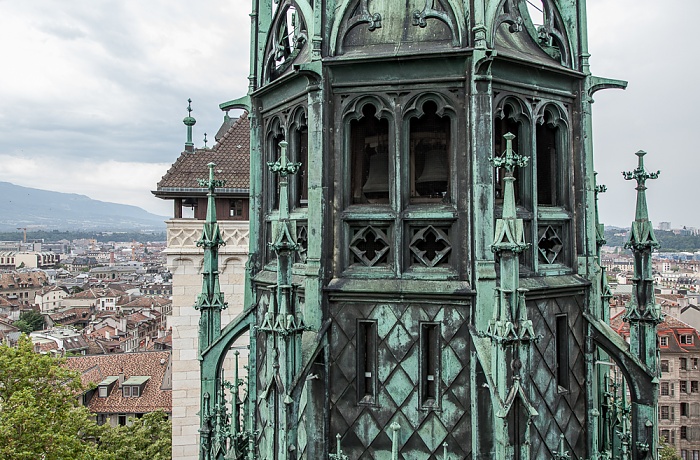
<point>124,386</point>
<point>185,259</point>
<point>50,298</point>
<point>102,299</point>
<point>61,340</point>
<point>679,399</point>
<point>22,286</point>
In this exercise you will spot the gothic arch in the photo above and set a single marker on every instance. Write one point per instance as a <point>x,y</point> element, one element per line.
<point>414,108</point>
<point>551,34</point>
<point>283,45</point>
<point>519,109</point>
<point>553,113</point>
<point>354,108</point>
<point>344,21</point>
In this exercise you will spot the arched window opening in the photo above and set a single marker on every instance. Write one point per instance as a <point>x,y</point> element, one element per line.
<point>429,156</point>
<point>547,164</point>
<point>369,158</point>
<point>301,155</point>
<point>275,150</point>
<point>503,126</point>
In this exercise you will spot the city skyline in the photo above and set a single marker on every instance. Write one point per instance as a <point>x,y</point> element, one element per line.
<point>95,102</point>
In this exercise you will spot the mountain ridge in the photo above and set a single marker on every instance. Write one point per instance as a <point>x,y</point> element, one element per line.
<point>44,209</point>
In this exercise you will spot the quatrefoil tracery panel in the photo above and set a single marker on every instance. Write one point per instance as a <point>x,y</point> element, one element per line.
<point>370,246</point>
<point>549,245</point>
<point>430,246</point>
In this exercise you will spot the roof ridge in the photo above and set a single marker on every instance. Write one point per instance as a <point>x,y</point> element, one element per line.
<point>229,131</point>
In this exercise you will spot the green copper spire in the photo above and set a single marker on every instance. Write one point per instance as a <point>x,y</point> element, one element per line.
<point>643,314</point>
<point>189,121</point>
<point>510,330</point>
<point>211,301</point>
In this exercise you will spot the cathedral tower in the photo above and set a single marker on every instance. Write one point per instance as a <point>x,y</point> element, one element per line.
<point>423,279</point>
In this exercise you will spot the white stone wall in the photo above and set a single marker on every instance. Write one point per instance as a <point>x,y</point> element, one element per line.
<point>185,262</point>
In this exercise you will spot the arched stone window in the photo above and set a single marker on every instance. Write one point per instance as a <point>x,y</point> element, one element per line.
<point>429,155</point>
<point>299,153</point>
<point>369,158</point>
<point>275,135</point>
<point>511,117</point>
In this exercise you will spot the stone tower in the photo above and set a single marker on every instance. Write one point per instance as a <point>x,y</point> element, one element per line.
<point>423,279</point>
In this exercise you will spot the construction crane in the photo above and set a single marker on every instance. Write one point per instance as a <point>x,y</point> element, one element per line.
<point>25,232</point>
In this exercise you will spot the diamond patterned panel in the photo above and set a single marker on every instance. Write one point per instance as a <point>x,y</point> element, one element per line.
<point>560,412</point>
<point>365,428</point>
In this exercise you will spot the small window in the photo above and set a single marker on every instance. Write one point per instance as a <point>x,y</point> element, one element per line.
<point>663,341</point>
<point>562,352</point>
<point>369,158</point>
<point>366,361</point>
<point>126,391</point>
<point>664,365</point>
<point>664,389</point>
<point>683,386</point>
<point>236,211</point>
<point>695,363</point>
<point>121,420</point>
<point>429,364</point>
<point>665,435</point>
<point>102,392</point>
<point>685,412</point>
<point>684,432</point>
<point>686,339</point>
<point>694,386</point>
<point>684,364</point>
<point>665,414</point>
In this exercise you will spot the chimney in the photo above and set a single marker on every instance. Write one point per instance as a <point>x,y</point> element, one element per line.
<point>122,323</point>
<point>121,377</point>
<point>107,335</point>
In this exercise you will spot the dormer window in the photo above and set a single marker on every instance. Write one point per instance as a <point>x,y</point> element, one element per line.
<point>686,339</point>
<point>134,386</point>
<point>663,341</point>
<point>105,387</point>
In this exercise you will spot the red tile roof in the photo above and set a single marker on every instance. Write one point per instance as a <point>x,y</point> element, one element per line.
<point>153,364</point>
<point>231,155</point>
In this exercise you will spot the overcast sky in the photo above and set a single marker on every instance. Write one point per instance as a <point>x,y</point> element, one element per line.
<point>93,92</point>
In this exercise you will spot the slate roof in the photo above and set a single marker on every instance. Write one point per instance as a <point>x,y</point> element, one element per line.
<point>96,368</point>
<point>231,155</point>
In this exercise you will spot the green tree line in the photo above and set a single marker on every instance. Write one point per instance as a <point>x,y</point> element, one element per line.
<point>41,417</point>
<point>53,236</point>
<point>669,241</point>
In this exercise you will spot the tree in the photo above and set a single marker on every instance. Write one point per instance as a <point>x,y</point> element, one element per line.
<point>41,416</point>
<point>147,438</point>
<point>33,318</point>
<point>667,451</point>
<point>23,326</point>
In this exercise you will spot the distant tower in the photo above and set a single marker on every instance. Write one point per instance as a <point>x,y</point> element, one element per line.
<point>424,277</point>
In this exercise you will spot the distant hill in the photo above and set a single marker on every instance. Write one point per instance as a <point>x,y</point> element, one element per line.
<point>42,209</point>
